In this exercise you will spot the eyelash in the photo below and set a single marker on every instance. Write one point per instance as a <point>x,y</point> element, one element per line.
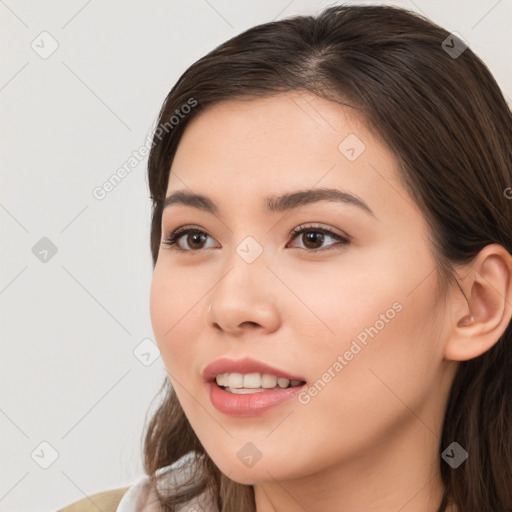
<point>172,244</point>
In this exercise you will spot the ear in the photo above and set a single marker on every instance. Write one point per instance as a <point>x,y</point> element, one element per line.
<point>478,322</point>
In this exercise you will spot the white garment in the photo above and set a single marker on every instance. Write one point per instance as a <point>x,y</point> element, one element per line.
<point>139,498</point>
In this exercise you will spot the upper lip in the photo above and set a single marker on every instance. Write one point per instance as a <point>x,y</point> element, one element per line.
<point>245,365</point>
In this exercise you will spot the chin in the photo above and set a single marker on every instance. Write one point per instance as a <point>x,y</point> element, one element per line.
<point>248,477</point>
<point>261,471</point>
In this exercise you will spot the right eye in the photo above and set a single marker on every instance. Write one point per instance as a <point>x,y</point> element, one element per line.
<point>194,238</point>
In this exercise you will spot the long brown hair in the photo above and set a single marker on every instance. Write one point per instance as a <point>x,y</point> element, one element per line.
<point>443,116</point>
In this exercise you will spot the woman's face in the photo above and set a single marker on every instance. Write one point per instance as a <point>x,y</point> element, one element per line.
<point>354,320</point>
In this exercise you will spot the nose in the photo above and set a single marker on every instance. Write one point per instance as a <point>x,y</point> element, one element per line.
<point>244,300</point>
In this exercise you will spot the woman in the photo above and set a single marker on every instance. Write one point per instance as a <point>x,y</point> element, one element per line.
<point>332,287</point>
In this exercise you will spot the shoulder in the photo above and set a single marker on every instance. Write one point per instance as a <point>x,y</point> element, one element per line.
<point>106,501</point>
<point>140,497</point>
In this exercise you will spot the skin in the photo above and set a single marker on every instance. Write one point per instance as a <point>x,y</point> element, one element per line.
<point>369,441</point>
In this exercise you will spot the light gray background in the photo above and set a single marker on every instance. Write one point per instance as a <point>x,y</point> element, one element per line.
<point>70,325</point>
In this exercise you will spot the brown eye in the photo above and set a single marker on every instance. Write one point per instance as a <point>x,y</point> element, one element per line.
<point>194,238</point>
<point>313,238</point>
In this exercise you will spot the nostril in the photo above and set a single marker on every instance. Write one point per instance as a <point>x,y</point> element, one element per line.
<point>251,323</point>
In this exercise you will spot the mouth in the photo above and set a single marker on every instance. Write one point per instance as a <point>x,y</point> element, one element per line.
<point>241,384</point>
<point>247,387</point>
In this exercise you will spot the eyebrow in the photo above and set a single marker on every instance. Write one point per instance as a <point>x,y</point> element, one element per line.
<point>273,204</point>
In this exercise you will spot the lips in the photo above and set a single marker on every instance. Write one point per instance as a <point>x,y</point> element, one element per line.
<point>245,365</point>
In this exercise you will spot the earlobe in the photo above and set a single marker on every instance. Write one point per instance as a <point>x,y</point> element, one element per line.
<point>481,322</point>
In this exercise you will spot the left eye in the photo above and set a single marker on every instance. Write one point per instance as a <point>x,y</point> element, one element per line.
<point>314,235</point>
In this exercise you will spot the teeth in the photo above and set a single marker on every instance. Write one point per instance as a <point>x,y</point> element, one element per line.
<point>252,381</point>
<point>235,380</point>
<point>268,381</point>
<point>283,383</point>
<point>244,391</point>
<point>220,379</point>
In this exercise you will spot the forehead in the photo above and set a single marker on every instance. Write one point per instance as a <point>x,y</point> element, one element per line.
<point>294,121</point>
<point>238,150</point>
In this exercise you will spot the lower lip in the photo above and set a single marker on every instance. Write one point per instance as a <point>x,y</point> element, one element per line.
<point>250,404</point>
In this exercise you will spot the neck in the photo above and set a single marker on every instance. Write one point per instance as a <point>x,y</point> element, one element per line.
<point>402,473</point>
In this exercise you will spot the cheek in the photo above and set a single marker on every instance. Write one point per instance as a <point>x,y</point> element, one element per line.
<point>372,335</point>
<point>172,315</point>
<point>367,379</point>
<point>161,307</point>
<point>335,305</point>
